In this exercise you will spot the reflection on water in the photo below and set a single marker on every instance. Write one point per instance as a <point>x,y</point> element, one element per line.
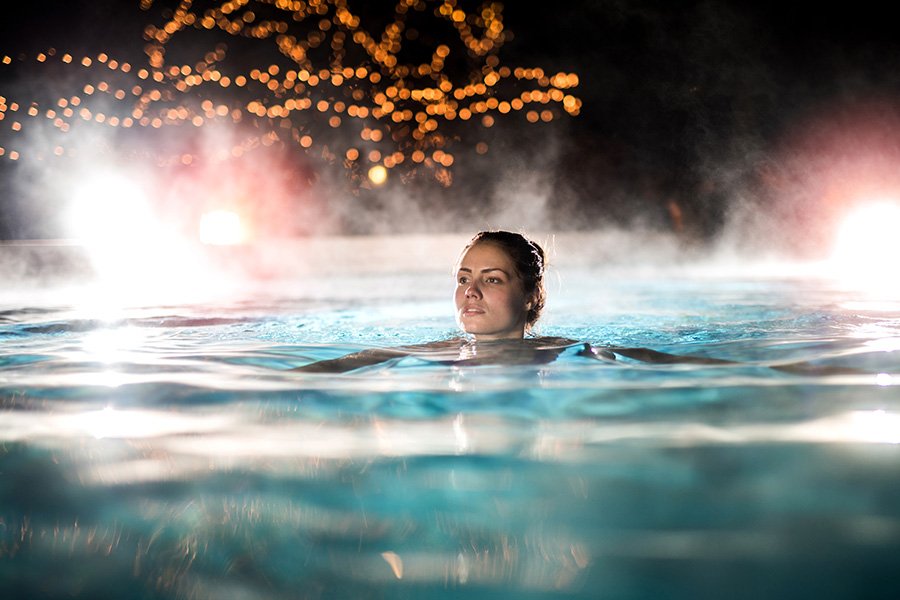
<point>171,452</point>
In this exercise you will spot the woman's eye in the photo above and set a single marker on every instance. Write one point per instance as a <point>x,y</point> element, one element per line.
<point>493,280</point>
<point>462,280</point>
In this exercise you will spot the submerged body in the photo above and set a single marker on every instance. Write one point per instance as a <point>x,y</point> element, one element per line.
<point>463,352</point>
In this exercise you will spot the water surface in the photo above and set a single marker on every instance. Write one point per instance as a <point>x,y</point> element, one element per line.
<point>167,450</point>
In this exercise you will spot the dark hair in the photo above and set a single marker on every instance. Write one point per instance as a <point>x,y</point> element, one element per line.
<point>528,258</point>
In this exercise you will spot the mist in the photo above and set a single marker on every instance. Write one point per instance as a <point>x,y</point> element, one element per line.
<point>709,134</point>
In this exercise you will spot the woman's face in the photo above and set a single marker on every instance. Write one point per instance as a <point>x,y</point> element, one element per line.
<point>490,301</point>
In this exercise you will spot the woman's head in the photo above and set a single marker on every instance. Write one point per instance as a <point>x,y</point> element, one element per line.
<point>500,285</point>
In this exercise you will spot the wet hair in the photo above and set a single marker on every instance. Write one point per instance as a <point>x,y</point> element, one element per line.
<point>528,258</point>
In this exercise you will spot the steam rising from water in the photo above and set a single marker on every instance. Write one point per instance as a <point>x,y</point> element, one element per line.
<point>760,180</point>
<point>288,89</point>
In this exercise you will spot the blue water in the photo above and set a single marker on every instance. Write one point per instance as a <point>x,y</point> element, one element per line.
<point>167,451</point>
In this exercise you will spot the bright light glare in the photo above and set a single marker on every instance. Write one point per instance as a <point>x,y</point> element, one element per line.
<point>136,256</point>
<point>378,175</point>
<point>876,426</point>
<point>113,344</point>
<point>113,423</point>
<point>868,244</point>
<point>221,228</point>
<point>109,208</point>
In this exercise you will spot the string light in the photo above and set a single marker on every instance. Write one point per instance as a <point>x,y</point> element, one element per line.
<point>333,75</point>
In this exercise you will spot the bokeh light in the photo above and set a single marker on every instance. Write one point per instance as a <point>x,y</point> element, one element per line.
<point>378,175</point>
<point>354,88</point>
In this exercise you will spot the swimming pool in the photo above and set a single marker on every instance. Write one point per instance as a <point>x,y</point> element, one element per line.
<point>163,449</point>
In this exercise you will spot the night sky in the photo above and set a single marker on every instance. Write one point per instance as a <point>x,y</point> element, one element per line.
<point>688,109</point>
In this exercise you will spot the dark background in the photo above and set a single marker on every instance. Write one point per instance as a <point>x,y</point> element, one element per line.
<point>693,112</point>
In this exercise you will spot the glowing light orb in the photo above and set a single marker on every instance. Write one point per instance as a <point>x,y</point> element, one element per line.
<point>109,208</point>
<point>378,175</point>
<point>134,254</point>
<point>221,228</point>
<point>868,244</point>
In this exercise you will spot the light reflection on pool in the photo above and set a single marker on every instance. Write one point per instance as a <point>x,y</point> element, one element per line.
<point>167,451</point>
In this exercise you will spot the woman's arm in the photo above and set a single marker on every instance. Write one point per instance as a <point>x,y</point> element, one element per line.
<point>374,356</point>
<point>664,358</point>
<point>349,362</point>
<point>796,368</point>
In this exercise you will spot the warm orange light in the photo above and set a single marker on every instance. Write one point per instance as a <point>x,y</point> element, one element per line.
<point>414,103</point>
<point>378,175</point>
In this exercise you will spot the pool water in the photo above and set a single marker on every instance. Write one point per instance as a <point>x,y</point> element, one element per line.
<point>167,450</point>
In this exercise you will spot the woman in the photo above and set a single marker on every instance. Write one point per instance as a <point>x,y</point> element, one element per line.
<point>499,297</point>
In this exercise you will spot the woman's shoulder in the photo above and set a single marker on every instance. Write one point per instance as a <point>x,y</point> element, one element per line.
<point>552,342</point>
<point>453,342</point>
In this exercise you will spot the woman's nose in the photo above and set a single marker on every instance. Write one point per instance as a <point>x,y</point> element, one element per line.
<point>472,291</point>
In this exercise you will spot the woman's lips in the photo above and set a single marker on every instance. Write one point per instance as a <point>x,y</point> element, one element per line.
<point>472,310</point>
